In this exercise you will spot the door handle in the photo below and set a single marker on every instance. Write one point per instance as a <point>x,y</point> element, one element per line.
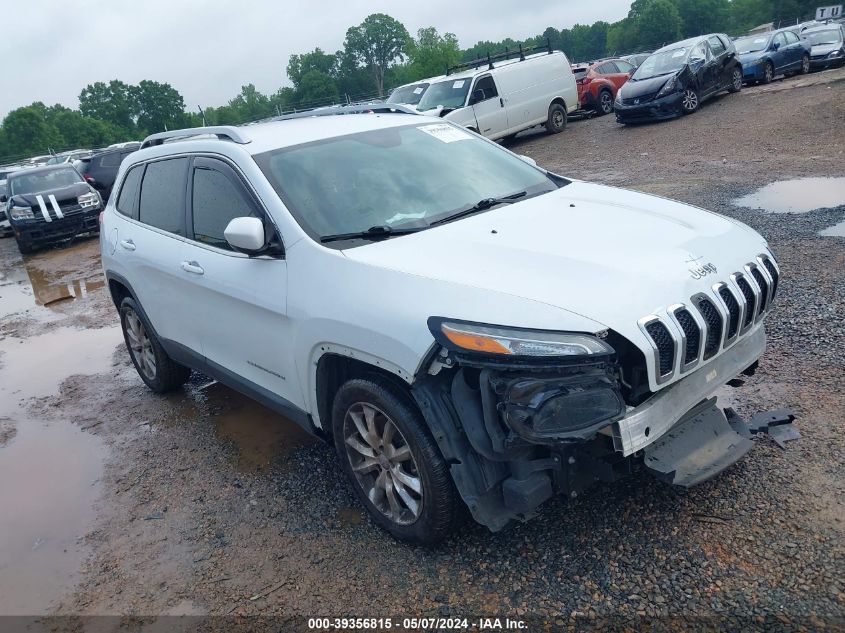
<point>129,245</point>
<point>501,102</point>
<point>192,267</point>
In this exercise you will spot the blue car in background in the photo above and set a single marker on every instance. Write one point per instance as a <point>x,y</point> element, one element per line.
<point>766,55</point>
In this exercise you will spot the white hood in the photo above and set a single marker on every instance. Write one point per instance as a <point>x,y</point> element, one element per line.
<point>608,254</point>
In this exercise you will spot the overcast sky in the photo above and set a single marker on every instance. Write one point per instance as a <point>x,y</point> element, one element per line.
<point>208,49</point>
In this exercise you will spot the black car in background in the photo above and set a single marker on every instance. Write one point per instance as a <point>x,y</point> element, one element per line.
<point>827,45</point>
<point>100,170</point>
<point>677,78</point>
<point>49,204</point>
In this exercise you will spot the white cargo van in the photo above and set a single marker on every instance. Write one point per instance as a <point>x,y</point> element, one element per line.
<point>500,97</point>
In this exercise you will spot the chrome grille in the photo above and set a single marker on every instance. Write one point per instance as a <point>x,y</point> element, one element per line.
<point>685,334</point>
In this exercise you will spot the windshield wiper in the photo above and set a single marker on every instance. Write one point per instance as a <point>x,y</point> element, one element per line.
<point>481,205</point>
<point>373,233</point>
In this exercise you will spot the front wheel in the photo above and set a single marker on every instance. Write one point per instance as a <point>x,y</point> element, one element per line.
<point>768,73</point>
<point>394,465</point>
<point>158,371</point>
<point>689,101</point>
<point>736,81</point>
<point>805,64</point>
<point>556,121</point>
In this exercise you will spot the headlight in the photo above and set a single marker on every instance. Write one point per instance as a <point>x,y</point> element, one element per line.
<point>88,200</point>
<point>668,87</point>
<point>835,54</point>
<point>619,96</point>
<point>21,213</point>
<point>504,341</point>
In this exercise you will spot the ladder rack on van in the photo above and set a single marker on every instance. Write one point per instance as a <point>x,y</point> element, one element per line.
<point>498,57</point>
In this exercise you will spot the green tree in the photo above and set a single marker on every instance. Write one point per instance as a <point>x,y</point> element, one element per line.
<point>315,89</point>
<point>430,54</point>
<point>114,103</point>
<point>160,106</point>
<point>26,131</point>
<point>659,23</point>
<point>300,65</point>
<point>700,17</point>
<point>623,37</point>
<point>251,104</point>
<point>376,44</point>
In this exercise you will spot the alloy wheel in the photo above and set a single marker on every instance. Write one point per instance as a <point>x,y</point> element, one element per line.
<point>737,80</point>
<point>140,344</point>
<point>606,103</point>
<point>805,65</point>
<point>770,73</point>
<point>383,463</point>
<point>690,100</point>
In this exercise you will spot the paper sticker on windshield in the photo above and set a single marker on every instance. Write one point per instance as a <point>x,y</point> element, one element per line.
<point>418,90</point>
<point>445,132</point>
<point>458,84</point>
<point>680,52</point>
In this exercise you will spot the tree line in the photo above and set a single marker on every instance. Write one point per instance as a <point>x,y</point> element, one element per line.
<point>377,54</point>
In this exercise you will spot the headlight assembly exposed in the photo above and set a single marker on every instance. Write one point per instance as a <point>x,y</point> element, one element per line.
<point>505,341</point>
<point>669,87</point>
<point>21,213</point>
<point>88,200</point>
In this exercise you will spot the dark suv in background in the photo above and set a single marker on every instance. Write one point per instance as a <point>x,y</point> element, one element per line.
<point>677,78</point>
<point>100,169</point>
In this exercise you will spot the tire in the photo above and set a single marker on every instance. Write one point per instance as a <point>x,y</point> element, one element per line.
<point>736,80</point>
<point>158,371</point>
<point>510,138</point>
<point>25,249</point>
<point>805,64</point>
<point>365,413</point>
<point>689,101</point>
<point>556,121</point>
<point>605,102</point>
<point>768,73</point>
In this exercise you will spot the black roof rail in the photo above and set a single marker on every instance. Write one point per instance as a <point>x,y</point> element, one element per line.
<point>504,55</point>
<point>223,132</point>
<point>363,108</point>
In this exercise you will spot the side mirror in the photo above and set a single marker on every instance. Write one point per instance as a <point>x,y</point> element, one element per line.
<point>775,46</point>
<point>246,235</point>
<point>478,96</point>
<point>3,198</point>
<point>527,159</point>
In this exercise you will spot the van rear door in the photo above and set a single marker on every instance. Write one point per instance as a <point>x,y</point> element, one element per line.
<point>489,107</point>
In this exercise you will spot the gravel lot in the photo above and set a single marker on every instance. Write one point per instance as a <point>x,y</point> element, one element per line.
<point>203,502</point>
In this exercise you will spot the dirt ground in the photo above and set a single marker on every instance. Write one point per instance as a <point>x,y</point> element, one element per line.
<point>115,501</point>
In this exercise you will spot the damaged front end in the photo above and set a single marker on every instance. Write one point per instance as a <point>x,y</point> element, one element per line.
<point>523,415</point>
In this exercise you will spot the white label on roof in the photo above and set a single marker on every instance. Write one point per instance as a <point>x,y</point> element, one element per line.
<point>445,132</point>
<point>761,40</point>
<point>458,84</point>
<point>418,90</point>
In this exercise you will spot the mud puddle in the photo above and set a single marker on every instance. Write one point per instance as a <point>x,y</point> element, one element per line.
<point>49,471</point>
<point>257,434</point>
<point>796,196</point>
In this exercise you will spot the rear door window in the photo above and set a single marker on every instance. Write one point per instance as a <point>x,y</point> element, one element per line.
<point>162,201</point>
<point>112,159</point>
<point>608,68</point>
<point>716,45</point>
<point>623,66</point>
<point>217,197</point>
<point>791,38</point>
<point>127,201</point>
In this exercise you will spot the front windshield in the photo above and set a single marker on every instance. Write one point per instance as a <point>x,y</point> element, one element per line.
<point>399,177</point>
<point>409,95</point>
<point>670,61</point>
<point>820,38</point>
<point>451,93</point>
<point>751,44</point>
<point>43,181</point>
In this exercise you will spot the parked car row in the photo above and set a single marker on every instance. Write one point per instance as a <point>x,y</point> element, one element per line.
<point>44,202</point>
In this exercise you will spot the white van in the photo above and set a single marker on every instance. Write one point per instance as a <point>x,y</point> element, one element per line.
<point>498,99</point>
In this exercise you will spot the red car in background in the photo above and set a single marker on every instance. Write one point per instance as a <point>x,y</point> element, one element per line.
<point>598,82</point>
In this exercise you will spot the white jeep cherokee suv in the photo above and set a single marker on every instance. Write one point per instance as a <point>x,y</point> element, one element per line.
<point>466,327</point>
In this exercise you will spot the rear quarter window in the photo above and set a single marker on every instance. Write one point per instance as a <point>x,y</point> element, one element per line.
<point>112,159</point>
<point>127,201</point>
<point>162,200</point>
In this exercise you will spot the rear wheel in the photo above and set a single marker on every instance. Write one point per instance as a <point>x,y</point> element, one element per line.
<point>768,73</point>
<point>556,121</point>
<point>158,371</point>
<point>805,64</point>
<point>736,80</point>
<point>689,101</point>
<point>605,102</point>
<point>394,465</point>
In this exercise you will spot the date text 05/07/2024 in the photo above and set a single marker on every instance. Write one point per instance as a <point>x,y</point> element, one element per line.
<point>412,624</point>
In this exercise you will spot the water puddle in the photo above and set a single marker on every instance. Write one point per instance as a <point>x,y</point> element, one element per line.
<point>796,196</point>
<point>837,230</point>
<point>258,434</point>
<point>49,471</point>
